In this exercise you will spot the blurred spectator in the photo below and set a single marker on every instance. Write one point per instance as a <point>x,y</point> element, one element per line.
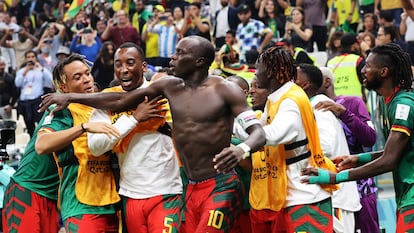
<point>367,43</point>
<point>345,14</point>
<point>140,16</point>
<point>54,36</point>
<point>178,15</point>
<point>347,68</point>
<point>103,68</point>
<point>386,34</point>
<point>225,19</point>
<point>385,18</point>
<point>334,44</point>
<point>393,7</point>
<point>31,80</point>
<point>365,7</point>
<point>80,21</point>
<point>195,24</point>
<point>272,13</point>
<point>9,53</point>
<point>251,34</point>
<point>229,53</point>
<point>299,54</point>
<point>204,9</point>
<point>369,24</point>
<point>8,91</point>
<point>316,17</point>
<point>62,53</point>
<point>100,27</point>
<point>45,57</point>
<point>168,36</point>
<point>151,39</point>
<point>407,29</point>
<point>42,24</point>
<point>297,30</point>
<point>28,25</point>
<point>25,42</point>
<point>120,31</point>
<point>179,3</point>
<point>87,43</point>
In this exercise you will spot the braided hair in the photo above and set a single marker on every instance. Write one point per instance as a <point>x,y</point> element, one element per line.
<point>278,62</point>
<point>398,62</point>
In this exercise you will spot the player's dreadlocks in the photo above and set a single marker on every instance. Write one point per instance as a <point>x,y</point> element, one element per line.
<point>398,62</point>
<point>279,62</point>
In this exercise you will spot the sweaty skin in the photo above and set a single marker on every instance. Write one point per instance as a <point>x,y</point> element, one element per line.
<point>203,109</point>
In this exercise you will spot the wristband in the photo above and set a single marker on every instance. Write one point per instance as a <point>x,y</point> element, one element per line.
<point>246,149</point>
<point>364,158</point>
<point>321,178</point>
<point>342,176</point>
<point>235,141</point>
<point>83,129</point>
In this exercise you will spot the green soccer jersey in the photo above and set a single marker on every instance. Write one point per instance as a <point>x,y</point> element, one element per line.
<point>38,173</point>
<point>70,206</point>
<point>400,115</point>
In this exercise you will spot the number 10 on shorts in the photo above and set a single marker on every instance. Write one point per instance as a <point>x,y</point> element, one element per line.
<point>215,219</point>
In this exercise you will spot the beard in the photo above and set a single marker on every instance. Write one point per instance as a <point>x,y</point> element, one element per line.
<point>374,84</point>
<point>224,4</point>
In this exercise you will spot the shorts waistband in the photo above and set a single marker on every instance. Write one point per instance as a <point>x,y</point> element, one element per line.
<point>193,181</point>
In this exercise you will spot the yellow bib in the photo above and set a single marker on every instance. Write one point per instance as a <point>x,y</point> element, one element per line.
<point>268,188</point>
<point>95,184</point>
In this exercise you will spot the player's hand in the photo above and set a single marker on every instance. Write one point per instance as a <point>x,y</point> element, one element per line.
<point>317,176</point>
<point>101,127</point>
<point>345,162</point>
<point>337,109</point>
<point>227,159</point>
<point>61,101</point>
<point>150,109</point>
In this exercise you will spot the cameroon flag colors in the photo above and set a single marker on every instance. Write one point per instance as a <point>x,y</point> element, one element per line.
<point>75,7</point>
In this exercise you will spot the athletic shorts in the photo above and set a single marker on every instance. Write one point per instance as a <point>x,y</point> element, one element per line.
<point>212,205</point>
<point>155,214</point>
<point>315,217</point>
<point>92,223</point>
<point>27,211</point>
<point>405,219</point>
<point>268,221</point>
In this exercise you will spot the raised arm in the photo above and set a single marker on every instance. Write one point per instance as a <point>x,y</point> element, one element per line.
<point>104,100</point>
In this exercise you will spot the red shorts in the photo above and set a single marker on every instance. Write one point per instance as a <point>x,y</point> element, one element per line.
<point>155,214</point>
<point>315,217</point>
<point>268,221</point>
<point>405,219</point>
<point>26,211</point>
<point>213,205</point>
<point>92,223</point>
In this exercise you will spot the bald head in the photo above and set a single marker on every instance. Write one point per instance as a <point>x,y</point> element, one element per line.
<point>202,48</point>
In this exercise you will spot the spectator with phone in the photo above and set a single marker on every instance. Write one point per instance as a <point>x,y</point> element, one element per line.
<point>297,30</point>
<point>168,36</point>
<point>32,80</point>
<point>194,23</point>
<point>119,30</point>
<point>87,43</point>
<point>151,39</point>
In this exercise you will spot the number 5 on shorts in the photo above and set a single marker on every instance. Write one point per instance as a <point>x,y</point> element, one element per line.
<point>168,224</point>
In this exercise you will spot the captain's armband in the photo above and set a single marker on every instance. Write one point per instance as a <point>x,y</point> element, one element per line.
<point>247,119</point>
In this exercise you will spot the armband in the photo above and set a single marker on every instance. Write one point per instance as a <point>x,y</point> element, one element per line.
<point>246,149</point>
<point>247,119</point>
<point>342,176</point>
<point>321,178</point>
<point>364,158</point>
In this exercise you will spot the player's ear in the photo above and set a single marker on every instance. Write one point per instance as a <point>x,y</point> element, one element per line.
<point>200,61</point>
